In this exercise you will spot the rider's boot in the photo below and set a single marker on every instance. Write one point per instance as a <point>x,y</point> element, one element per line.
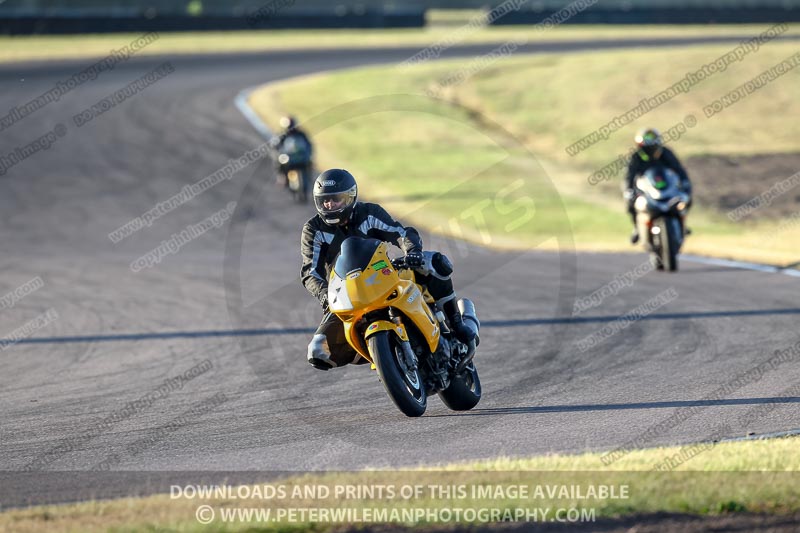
<point>462,332</point>
<point>635,232</point>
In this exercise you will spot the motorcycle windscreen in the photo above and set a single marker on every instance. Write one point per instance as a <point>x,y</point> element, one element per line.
<point>355,255</point>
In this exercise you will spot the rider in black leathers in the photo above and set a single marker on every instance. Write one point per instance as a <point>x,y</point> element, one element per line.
<point>290,127</point>
<point>340,215</point>
<point>651,152</point>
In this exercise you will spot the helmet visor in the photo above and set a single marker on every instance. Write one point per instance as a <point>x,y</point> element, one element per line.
<point>334,202</point>
<point>648,138</point>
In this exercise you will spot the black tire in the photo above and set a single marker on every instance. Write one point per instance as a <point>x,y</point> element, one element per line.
<point>407,392</point>
<point>301,194</point>
<point>464,391</point>
<point>655,260</point>
<point>669,245</point>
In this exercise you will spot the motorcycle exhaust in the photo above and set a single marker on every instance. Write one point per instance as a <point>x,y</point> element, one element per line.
<point>467,310</point>
<point>470,318</point>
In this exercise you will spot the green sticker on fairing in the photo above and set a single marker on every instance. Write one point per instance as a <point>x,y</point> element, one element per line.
<point>379,265</point>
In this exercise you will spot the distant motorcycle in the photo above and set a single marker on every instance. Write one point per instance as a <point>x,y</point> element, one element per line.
<point>392,322</point>
<point>294,164</point>
<point>660,211</point>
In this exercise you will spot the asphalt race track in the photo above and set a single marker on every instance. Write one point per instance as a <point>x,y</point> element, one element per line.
<point>229,305</point>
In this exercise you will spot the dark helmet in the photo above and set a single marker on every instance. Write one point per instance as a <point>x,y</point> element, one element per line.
<point>335,195</point>
<point>649,141</point>
<point>288,122</point>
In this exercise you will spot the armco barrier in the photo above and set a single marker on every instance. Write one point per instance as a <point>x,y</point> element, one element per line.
<point>658,15</point>
<point>62,24</point>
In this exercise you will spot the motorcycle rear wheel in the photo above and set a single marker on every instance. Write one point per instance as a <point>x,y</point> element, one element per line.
<point>464,391</point>
<point>404,386</point>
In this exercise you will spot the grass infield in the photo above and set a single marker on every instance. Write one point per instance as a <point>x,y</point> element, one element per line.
<point>758,476</point>
<point>486,157</point>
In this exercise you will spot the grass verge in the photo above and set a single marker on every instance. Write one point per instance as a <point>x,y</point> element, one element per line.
<point>487,159</point>
<point>442,26</point>
<point>757,476</point>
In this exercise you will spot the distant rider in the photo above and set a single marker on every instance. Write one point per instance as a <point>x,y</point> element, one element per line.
<point>291,129</point>
<point>651,152</point>
<point>341,215</point>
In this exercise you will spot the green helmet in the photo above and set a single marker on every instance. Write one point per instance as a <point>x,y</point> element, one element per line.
<point>649,141</point>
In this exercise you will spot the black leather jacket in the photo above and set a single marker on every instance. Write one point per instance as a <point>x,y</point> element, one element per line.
<point>278,140</point>
<point>640,163</point>
<point>320,242</point>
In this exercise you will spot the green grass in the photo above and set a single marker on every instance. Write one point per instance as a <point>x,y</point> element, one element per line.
<point>752,476</point>
<point>443,24</point>
<point>516,117</point>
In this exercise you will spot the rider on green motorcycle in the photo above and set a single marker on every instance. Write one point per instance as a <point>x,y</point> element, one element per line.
<point>651,152</point>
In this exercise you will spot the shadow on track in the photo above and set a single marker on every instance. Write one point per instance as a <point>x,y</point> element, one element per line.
<point>623,406</point>
<point>267,332</point>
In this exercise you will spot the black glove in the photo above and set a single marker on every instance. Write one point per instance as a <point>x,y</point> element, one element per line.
<point>414,259</point>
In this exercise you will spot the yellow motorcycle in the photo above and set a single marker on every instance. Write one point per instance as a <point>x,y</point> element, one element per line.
<point>393,323</point>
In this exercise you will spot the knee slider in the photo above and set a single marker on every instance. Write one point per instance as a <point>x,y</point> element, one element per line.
<point>441,265</point>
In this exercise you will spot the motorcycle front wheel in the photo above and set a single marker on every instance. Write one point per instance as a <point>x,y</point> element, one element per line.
<point>669,243</point>
<point>403,385</point>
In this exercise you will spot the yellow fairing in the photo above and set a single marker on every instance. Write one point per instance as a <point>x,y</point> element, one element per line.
<point>385,325</point>
<point>377,287</point>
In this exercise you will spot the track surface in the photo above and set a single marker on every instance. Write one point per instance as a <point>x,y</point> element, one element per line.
<point>541,393</point>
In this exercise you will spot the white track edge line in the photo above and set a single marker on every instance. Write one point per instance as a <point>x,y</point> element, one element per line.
<point>252,117</point>
<point>743,265</point>
<point>764,436</point>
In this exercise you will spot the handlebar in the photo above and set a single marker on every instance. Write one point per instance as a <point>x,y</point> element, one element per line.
<point>399,263</point>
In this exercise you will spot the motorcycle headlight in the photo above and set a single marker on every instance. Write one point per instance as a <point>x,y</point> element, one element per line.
<point>681,206</point>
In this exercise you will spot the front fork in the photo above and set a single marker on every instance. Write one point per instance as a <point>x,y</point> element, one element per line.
<point>396,325</point>
<point>408,354</point>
